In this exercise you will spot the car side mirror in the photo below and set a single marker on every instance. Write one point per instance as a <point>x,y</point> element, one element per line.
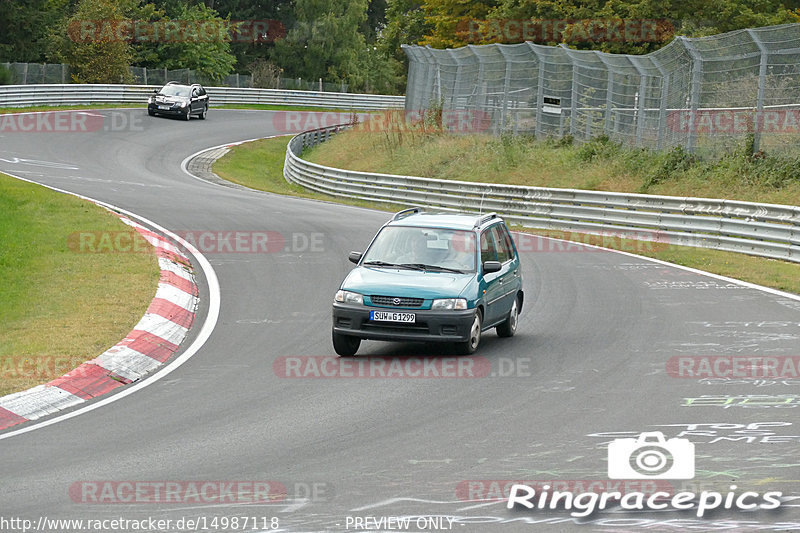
<point>492,266</point>
<point>155,91</point>
<point>354,257</point>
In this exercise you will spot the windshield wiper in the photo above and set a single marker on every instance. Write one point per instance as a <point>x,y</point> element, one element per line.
<point>423,266</point>
<point>383,264</point>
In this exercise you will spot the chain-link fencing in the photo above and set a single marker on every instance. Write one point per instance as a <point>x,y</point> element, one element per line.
<point>35,73</point>
<point>706,94</point>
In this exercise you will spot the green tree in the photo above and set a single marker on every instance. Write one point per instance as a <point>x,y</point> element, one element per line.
<point>405,24</point>
<point>451,18</point>
<point>99,56</point>
<point>325,41</point>
<point>209,55</point>
<point>25,26</point>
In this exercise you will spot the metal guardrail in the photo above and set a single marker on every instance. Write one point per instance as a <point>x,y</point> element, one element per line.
<point>78,94</point>
<point>766,230</point>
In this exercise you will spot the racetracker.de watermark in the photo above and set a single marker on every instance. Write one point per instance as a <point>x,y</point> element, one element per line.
<point>500,489</point>
<point>452,120</point>
<point>71,122</point>
<point>732,121</point>
<point>205,241</point>
<point>175,31</point>
<point>209,492</point>
<point>634,241</point>
<point>734,366</point>
<point>592,30</point>
<point>38,366</point>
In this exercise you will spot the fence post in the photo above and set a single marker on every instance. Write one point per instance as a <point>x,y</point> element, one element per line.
<point>609,93</point>
<point>538,132</point>
<point>762,81</point>
<point>694,92</point>
<point>25,74</point>
<point>506,83</point>
<point>640,108</point>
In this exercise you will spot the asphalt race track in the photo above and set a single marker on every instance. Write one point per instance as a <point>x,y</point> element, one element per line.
<point>589,364</point>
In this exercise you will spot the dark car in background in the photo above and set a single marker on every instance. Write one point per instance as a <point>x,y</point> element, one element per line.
<point>179,100</point>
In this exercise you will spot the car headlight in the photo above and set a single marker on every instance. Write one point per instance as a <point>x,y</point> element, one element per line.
<point>184,103</point>
<point>450,303</point>
<point>348,297</point>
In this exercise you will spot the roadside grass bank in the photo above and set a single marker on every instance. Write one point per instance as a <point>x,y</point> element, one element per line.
<point>59,305</point>
<point>599,165</point>
<point>259,165</point>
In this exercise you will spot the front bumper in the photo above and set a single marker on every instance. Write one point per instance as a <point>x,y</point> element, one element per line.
<point>430,326</point>
<point>178,111</point>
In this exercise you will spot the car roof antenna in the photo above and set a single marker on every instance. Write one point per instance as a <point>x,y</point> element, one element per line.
<point>480,209</point>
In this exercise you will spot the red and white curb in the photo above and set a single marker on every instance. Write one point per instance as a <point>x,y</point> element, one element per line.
<point>151,342</point>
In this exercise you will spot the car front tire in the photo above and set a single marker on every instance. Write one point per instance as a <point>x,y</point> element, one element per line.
<point>469,346</point>
<point>151,112</point>
<point>188,114</point>
<point>345,345</point>
<point>203,113</point>
<point>509,327</point>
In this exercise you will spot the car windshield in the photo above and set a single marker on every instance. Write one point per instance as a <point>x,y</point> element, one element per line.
<point>423,248</point>
<point>176,90</point>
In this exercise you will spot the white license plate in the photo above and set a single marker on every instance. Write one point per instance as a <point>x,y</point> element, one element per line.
<point>389,316</point>
<point>163,107</point>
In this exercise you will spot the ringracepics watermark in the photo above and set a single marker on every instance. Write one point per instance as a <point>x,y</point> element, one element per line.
<point>594,30</point>
<point>175,31</point>
<point>649,456</point>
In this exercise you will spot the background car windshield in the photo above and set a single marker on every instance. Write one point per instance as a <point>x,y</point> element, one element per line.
<point>174,90</point>
<point>452,249</point>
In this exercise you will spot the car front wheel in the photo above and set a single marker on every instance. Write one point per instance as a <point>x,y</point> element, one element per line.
<point>345,345</point>
<point>469,346</point>
<point>203,113</point>
<point>509,327</point>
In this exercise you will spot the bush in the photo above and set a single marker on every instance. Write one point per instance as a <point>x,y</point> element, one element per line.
<point>6,76</point>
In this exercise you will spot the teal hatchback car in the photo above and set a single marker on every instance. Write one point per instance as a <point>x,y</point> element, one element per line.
<point>431,277</point>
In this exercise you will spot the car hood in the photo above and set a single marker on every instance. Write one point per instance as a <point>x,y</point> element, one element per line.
<point>161,99</point>
<point>406,283</point>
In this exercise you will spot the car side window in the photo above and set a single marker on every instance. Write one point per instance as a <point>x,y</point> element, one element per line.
<point>488,249</point>
<point>504,236</point>
<point>503,253</point>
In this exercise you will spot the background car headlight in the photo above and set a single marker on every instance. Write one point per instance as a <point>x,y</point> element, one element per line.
<point>348,297</point>
<point>184,104</point>
<point>450,303</point>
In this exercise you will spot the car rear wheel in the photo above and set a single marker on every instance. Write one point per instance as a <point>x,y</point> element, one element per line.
<point>345,345</point>
<point>509,327</point>
<point>469,346</point>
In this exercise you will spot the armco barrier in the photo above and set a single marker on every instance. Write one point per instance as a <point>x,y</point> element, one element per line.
<point>759,229</point>
<point>78,94</point>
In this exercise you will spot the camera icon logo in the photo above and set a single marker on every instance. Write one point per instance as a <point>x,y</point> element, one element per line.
<point>651,457</point>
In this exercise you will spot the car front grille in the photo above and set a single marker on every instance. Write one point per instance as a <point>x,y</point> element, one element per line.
<point>396,301</point>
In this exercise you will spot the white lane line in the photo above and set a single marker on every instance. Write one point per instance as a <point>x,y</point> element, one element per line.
<point>205,331</point>
<point>747,284</point>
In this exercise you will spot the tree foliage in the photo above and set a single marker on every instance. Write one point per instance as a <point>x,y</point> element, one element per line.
<point>355,42</point>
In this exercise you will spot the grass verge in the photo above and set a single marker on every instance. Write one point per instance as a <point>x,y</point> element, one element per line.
<point>259,165</point>
<point>597,165</point>
<point>59,307</point>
